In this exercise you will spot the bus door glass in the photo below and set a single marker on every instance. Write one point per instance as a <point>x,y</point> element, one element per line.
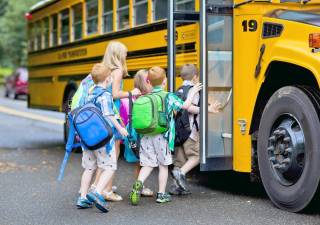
<point>183,28</point>
<point>216,75</point>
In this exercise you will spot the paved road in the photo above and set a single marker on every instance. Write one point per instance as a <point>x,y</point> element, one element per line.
<point>31,152</point>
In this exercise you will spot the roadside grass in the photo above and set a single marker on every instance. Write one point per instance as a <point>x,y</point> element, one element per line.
<point>4,72</point>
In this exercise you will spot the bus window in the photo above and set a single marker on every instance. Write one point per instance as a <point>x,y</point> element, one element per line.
<point>92,16</point>
<point>185,5</point>
<point>107,16</point>
<point>54,30</point>
<point>160,9</point>
<point>31,36</point>
<point>65,26</point>
<point>77,21</point>
<point>38,35</point>
<point>46,33</point>
<point>123,14</point>
<point>140,12</point>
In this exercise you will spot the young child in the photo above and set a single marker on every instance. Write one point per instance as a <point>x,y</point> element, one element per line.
<point>187,155</point>
<point>155,150</point>
<point>140,83</point>
<point>99,158</point>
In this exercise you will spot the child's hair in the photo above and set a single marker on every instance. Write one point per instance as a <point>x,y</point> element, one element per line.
<point>156,76</point>
<point>140,80</point>
<point>115,57</point>
<point>99,72</point>
<point>188,71</point>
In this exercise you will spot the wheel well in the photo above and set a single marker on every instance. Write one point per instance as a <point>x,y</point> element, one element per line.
<point>278,75</point>
<point>70,86</point>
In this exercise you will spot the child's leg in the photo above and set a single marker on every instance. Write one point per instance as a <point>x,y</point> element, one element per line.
<point>137,170</point>
<point>89,163</point>
<point>97,177</point>
<point>85,182</point>
<point>191,163</point>
<point>144,173</point>
<point>163,178</point>
<point>105,177</point>
<point>108,187</point>
<point>191,149</point>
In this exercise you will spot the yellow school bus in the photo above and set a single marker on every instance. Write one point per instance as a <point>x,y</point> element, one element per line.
<point>259,58</point>
<point>67,37</point>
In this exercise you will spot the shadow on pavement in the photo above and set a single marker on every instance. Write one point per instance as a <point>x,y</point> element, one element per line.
<point>232,182</point>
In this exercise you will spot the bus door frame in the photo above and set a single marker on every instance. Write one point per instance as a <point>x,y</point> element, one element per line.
<point>217,163</point>
<point>173,18</point>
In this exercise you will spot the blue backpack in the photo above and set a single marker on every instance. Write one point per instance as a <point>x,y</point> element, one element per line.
<point>94,131</point>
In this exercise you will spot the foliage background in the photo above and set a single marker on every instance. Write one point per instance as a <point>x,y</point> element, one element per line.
<point>13,32</point>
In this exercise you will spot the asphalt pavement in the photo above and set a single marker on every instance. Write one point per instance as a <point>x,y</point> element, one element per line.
<point>31,151</point>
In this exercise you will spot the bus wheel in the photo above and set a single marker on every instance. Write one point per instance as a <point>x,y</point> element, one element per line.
<point>288,148</point>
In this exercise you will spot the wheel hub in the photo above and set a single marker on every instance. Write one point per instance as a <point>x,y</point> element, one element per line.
<point>286,150</point>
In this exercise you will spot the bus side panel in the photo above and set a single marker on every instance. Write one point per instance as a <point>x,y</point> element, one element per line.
<point>246,54</point>
<point>42,95</point>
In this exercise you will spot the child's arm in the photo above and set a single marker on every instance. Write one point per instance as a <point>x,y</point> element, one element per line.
<point>117,93</point>
<point>121,129</point>
<point>193,91</point>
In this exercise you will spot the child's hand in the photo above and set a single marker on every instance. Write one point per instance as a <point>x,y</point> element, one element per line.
<point>136,92</point>
<point>214,107</point>
<point>123,131</point>
<point>195,89</point>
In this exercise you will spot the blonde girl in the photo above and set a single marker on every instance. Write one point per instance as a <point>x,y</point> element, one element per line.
<point>115,59</point>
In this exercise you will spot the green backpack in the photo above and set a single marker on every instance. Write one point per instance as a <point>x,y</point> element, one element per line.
<point>149,113</point>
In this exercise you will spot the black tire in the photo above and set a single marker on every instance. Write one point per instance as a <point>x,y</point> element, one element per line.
<point>291,185</point>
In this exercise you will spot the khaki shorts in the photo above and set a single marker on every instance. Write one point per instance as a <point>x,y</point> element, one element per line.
<point>183,153</point>
<point>154,151</point>
<point>99,158</point>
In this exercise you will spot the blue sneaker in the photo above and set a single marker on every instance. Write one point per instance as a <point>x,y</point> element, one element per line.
<point>98,201</point>
<point>83,203</point>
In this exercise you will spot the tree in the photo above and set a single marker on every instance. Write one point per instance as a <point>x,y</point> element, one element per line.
<point>13,32</point>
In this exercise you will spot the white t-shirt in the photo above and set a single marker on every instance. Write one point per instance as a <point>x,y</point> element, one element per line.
<point>194,132</point>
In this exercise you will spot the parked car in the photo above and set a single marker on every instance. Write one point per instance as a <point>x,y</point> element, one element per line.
<point>17,83</point>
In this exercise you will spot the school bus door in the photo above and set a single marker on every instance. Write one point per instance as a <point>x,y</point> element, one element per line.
<point>215,22</point>
<point>216,69</point>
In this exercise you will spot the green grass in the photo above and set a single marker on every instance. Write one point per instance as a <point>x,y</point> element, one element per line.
<point>4,72</point>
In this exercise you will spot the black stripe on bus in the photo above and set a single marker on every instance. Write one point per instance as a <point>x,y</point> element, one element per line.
<point>161,51</point>
<point>45,107</point>
<point>72,77</point>
<point>40,79</point>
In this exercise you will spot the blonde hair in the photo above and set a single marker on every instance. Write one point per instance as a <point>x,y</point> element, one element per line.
<point>99,72</point>
<point>115,57</point>
<point>188,71</point>
<point>140,81</point>
<point>156,75</point>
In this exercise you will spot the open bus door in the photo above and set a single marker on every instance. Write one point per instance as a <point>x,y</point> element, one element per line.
<point>216,70</point>
<point>216,62</point>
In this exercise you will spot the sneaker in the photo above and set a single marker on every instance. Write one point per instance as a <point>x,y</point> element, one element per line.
<point>111,196</point>
<point>176,190</point>
<point>83,203</point>
<point>99,201</point>
<point>146,192</point>
<point>136,192</point>
<point>180,179</point>
<point>163,197</point>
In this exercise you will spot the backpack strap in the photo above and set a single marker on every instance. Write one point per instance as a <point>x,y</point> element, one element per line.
<point>130,112</point>
<point>94,100</point>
